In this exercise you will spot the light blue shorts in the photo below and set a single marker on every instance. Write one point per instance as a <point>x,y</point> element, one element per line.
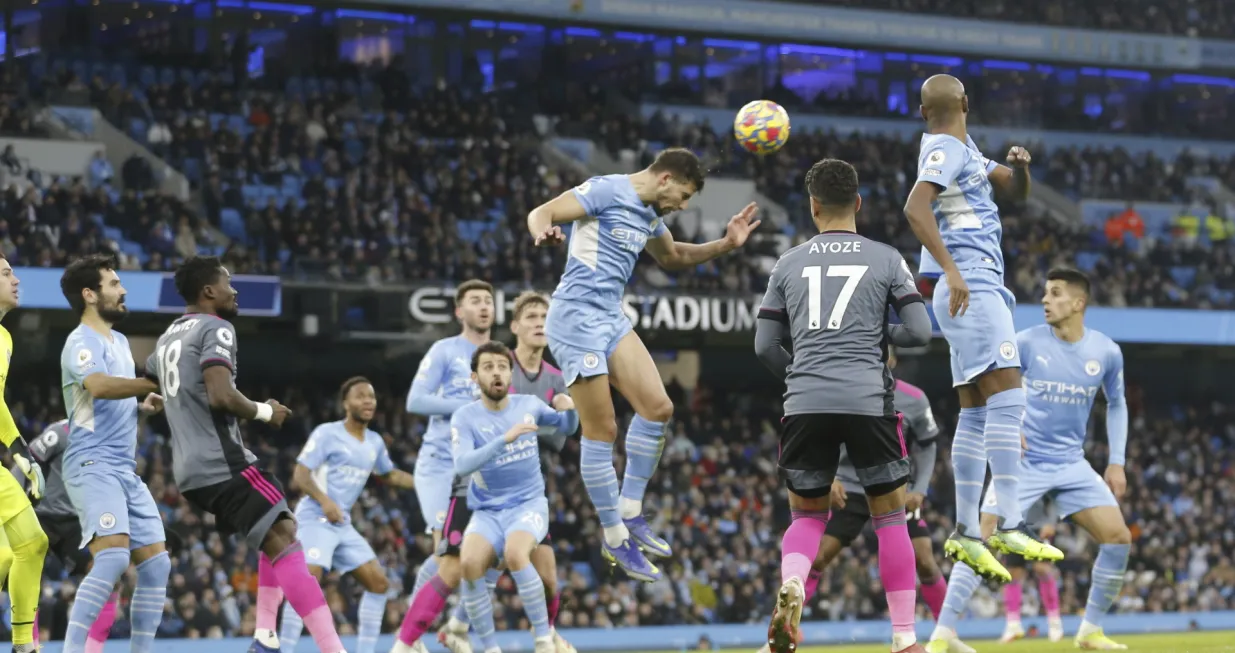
<point>114,502</point>
<point>496,525</point>
<point>984,338</point>
<point>582,337</point>
<point>434,477</point>
<point>1072,486</point>
<point>333,546</point>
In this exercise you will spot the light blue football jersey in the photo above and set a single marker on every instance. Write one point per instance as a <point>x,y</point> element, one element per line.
<point>101,431</point>
<point>445,371</point>
<point>1061,381</point>
<point>605,245</point>
<point>341,467</point>
<point>965,209</point>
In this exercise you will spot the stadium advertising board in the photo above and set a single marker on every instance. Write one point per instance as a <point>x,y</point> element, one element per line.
<point>151,292</point>
<point>649,312</point>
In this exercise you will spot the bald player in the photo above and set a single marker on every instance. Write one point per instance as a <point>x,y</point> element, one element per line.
<point>951,209</point>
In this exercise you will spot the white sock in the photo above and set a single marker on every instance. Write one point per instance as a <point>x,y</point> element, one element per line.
<point>615,535</point>
<point>266,637</point>
<point>902,641</point>
<point>1087,628</point>
<point>630,508</point>
<point>1013,622</point>
<point>944,633</point>
<point>456,626</point>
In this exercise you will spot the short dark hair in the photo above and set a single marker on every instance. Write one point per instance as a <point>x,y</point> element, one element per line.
<point>491,347</point>
<point>470,285</point>
<point>832,182</point>
<point>349,384</point>
<point>1072,277</point>
<point>85,273</point>
<point>196,273</point>
<point>682,164</point>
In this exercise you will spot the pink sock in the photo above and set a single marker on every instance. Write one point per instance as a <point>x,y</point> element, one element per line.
<point>1048,587</point>
<point>934,594</point>
<point>425,608</point>
<point>812,584</point>
<point>801,543</point>
<point>898,569</point>
<point>305,595</point>
<point>101,628</point>
<point>555,604</point>
<point>269,596</point>
<point>1012,595</point>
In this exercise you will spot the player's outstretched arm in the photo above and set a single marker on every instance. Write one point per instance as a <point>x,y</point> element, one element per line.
<point>915,327</point>
<point>102,386</point>
<point>400,479</point>
<point>673,255</point>
<point>1013,180</point>
<point>923,467</point>
<point>468,457</point>
<point>543,222</point>
<point>422,398</point>
<point>224,396</point>
<point>771,335</point>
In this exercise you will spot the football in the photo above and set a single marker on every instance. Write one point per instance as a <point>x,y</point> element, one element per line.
<point>761,127</point>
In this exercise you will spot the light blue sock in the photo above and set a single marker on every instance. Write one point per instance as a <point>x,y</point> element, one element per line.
<point>491,578</point>
<point>480,612</point>
<point>532,593</point>
<point>290,629</point>
<point>600,479</point>
<point>961,586</point>
<point>969,468</point>
<point>427,570</point>
<point>369,628</point>
<point>1107,580</point>
<point>92,595</point>
<point>146,607</point>
<point>644,442</point>
<point>1004,413</point>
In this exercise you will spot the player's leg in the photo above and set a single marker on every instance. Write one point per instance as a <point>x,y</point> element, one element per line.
<point>931,582</point>
<point>28,546</point>
<point>962,584</point>
<point>545,562</point>
<point>356,556</point>
<point>1106,524</point>
<point>525,527</point>
<point>99,499</point>
<point>483,540</point>
<point>1048,590</point>
<point>152,562</point>
<point>845,523</point>
<point>320,541</point>
<point>433,483</point>
<point>634,374</point>
<point>1013,600</point>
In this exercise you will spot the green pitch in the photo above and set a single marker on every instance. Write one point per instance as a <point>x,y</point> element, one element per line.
<point>1205,642</point>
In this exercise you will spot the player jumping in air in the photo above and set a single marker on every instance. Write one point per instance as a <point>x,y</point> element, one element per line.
<point>441,386</point>
<point>829,296</point>
<point>496,443</point>
<point>59,521</point>
<point>851,513</point>
<point>951,209</point>
<point>23,545</point>
<point>332,470</point>
<point>119,518</point>
<point>614,218</point>
<point>531,376</point>
<point>194,363</point>
<point>1065,365</point>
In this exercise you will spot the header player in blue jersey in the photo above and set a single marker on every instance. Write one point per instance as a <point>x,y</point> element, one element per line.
<point>332,471</point>
<point>614,218</point>
<point>120,521</point>
<point>496,443</point>
<point>1065,365</point>
<point>441,386</point>
<point>951,209</point>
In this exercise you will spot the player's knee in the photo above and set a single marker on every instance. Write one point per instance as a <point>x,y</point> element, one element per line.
<point>472,567</point>
<point>34,547</point>
<point>377,584</point>
<point>6,561</point>
<point>517,557</point>
<point>1118,534</point>
<point>658,410</point>
<point>449,570</point>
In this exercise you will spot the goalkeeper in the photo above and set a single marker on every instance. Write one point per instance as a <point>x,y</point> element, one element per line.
<point>23,545</point>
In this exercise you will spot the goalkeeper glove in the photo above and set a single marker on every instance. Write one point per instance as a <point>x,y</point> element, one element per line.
<point>34,474</point>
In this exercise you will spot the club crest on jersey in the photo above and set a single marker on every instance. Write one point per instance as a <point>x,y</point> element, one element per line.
<point>83,358</point>
<point>107,520</point>
<point>226,337</point>
<point>936,158</point>
<point>1007,350</point>
<point>528,419</point>
<point>314,553</point>
<point>1093,367</point>
<point>590,361</point>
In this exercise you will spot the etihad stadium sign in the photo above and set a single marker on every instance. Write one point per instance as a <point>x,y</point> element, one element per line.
<point>647,312</point>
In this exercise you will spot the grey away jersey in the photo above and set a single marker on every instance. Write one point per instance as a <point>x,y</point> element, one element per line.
<point>833,292</point>
<point>918,429</point>
<point>46,450</point>
<point>206,444</point>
